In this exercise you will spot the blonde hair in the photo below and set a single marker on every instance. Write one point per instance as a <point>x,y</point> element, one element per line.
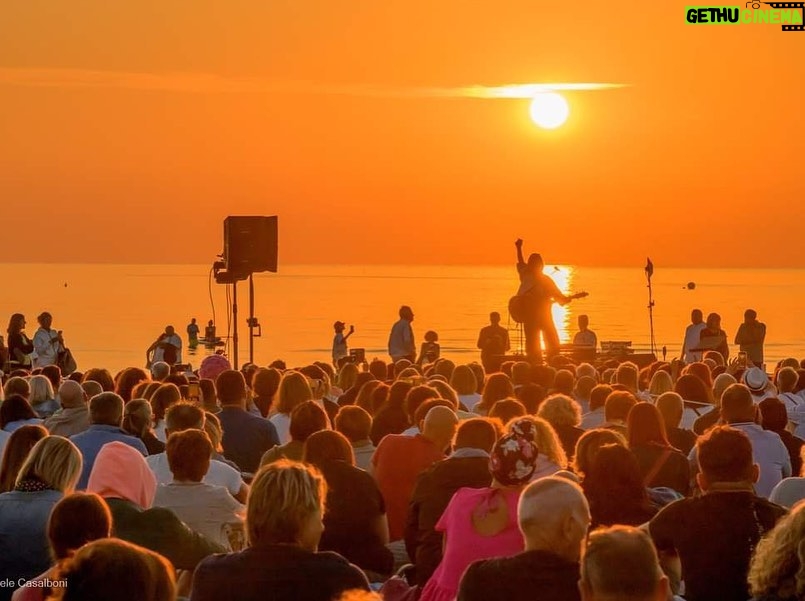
<point>661,382</point>
<point>778,566</point>
<point>347,376</point>
<point>283,495</point>
<point>560,410</point>
<point>41,389</point>
<point>546,440</point>
<point>294,390</point>
<point>55,461</point>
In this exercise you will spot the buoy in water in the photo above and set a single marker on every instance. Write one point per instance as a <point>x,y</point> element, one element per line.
<point>691,286</point>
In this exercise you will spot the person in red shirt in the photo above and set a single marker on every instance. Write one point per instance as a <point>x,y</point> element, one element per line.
<point>399,459</point>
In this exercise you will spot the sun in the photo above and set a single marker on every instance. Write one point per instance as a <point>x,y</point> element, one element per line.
<point>549,110</point>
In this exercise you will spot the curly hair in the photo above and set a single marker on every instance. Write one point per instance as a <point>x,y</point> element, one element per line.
<point>778,566</point>
<point>560,410</point>
<point>546,439</point>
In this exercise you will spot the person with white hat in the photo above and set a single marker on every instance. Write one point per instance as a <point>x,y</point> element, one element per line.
<point>758,383</point>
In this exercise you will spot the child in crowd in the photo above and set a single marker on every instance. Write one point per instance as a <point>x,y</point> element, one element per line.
<point>340,349</point>
<point>430,350</point>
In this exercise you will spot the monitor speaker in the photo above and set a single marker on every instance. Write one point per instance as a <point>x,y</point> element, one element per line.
<point>250,244</point>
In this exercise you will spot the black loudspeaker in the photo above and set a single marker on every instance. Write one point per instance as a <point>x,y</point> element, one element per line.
<point>250,244</point>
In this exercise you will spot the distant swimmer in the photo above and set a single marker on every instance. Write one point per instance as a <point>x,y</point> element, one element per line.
<point>532,304</point>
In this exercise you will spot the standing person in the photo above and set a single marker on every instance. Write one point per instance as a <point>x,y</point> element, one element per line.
<point>401,338</point>
<point>20,346</point>
<point>750,336</point>
<point>192,334</point>
<point>535,297</point>
<point>692,337</point>
<point>340,349</point>
<point>48,343</point>
<point>493,341</point>
<point>713,337</point>
<point>166,348</point>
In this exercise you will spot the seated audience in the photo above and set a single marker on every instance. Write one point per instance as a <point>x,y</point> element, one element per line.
<point>283,525</point>
<point>355,525</point>
<point>206,508</point>
<point>553,516</point>
<point>467,466</point>
<point>48,474</point>
<point>106,417</point>
<point>714,534</point>
<point>73,417</point>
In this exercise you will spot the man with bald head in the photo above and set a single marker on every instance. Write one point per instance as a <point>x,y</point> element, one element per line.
<point>398,461</point>
<point>554,517</point>
<point>73,417</point>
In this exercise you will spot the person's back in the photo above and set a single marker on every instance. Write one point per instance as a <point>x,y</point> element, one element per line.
<point>203,507</point>
<point>23,540</point>
<point>714,534</point>
<point>397,462</point>
<point>468,467</point>
<point>106,414</point>
<point>554,518</point>
<point>464,543</point>
<point>246,436</point>
<point>276,572</point>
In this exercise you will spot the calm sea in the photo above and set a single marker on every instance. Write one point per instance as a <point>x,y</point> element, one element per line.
<point>111,313</point>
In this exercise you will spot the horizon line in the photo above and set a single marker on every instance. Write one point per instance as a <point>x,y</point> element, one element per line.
<point>200,82</point>
<point>560,264</point>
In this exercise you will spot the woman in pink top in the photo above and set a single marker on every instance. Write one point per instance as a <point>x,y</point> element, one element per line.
<point>481,523</point>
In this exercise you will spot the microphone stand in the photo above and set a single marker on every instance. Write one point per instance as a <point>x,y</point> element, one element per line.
<point>649,273</point>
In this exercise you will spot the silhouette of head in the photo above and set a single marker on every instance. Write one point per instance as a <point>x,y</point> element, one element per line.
<point>494,318</point>
<point>535,262</point>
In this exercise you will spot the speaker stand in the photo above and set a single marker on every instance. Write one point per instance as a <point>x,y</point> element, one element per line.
<point>235,364</point>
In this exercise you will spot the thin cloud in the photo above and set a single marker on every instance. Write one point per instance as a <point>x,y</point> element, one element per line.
<point>204,83</point>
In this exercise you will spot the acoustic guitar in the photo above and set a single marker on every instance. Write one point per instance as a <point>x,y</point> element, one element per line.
<point>521,306</point>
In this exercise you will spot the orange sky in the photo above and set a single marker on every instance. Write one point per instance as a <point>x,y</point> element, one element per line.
<point>699,162</point>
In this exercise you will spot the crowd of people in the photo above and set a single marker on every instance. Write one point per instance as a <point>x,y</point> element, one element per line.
<point>410,479</point>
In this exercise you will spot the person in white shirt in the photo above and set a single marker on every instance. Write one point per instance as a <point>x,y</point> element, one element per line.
<point>401,339</point>
<point>585,336</point>
<point>206,508</point>
<point>185,416</point>
<point>167,348</point>
<point>48,343</point>
<point>693,337</point>
<point>738,410</point>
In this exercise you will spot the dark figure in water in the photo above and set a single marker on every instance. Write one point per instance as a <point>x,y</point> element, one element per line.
<point>533,302</point>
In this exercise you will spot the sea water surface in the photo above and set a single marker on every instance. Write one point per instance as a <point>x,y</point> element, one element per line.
<point>110,314</point>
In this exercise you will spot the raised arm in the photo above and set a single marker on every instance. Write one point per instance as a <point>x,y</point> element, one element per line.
<point>519,245</point>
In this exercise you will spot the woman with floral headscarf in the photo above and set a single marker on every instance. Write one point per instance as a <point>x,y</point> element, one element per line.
<point>480,523</point>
